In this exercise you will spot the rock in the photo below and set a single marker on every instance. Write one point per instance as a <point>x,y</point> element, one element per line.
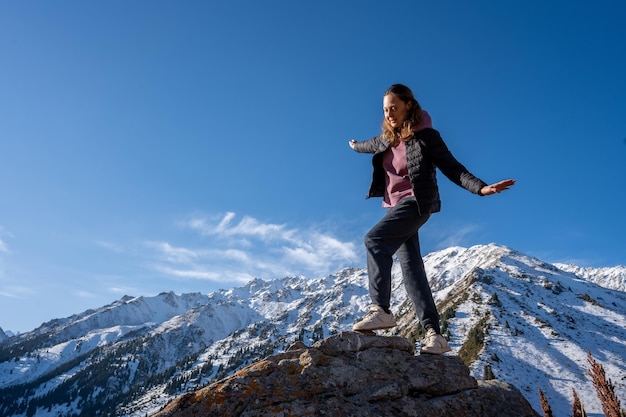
<point>353,375</point>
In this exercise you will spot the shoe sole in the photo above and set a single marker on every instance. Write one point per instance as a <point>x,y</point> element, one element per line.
<point>432,352</point>
<point>367,329</point>
<point>366,332</point>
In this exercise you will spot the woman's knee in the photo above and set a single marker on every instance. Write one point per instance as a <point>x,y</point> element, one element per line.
<point>372,241</point>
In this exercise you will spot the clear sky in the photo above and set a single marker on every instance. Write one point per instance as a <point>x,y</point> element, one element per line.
<point>152,146</point>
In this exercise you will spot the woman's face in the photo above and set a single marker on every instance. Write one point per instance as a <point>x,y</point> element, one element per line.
<point>395,110</point>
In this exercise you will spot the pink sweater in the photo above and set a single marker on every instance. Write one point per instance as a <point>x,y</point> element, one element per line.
<point>397,174</point>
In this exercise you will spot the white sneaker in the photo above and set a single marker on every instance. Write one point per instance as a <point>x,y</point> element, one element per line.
<point>434,343</point>
<point>375,319</point>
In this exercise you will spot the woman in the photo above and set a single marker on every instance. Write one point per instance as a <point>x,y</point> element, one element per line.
<point>405,157</point>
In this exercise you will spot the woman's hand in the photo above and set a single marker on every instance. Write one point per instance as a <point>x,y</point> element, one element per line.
<point>497,188</point>
<point>352,142</point>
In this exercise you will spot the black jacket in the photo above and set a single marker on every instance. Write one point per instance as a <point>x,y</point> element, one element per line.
<point>424,152</point>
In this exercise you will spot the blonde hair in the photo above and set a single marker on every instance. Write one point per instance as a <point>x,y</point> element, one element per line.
<point>413,116</point>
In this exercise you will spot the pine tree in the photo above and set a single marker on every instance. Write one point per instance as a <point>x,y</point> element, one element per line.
<point>488,372</point>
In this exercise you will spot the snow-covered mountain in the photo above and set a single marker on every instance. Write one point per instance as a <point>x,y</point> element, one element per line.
<point>523,320</point>
<point>606,277</point>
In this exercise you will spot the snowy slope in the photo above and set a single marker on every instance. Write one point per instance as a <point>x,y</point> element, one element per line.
<point>134,355</point>
<point>541,322</point>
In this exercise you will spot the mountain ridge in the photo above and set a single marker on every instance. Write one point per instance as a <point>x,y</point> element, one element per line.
<point>519,306</point>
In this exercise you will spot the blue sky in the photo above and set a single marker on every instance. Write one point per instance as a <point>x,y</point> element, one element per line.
<point>150,146</point>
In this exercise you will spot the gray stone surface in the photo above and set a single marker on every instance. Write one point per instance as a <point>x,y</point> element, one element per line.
<point>353,375</point>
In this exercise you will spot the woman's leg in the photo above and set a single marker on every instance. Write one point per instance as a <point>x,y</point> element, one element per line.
<point>416,283</point>
<point>397,226</point>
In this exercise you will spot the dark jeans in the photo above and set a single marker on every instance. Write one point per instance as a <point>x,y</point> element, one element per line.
<point>397,233</point>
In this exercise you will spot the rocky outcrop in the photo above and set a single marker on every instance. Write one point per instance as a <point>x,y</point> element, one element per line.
<point>353,375</point>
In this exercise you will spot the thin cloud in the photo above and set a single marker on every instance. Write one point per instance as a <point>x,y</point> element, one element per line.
<point>250,248</point>
<point>458,237</point>
<point>4,249</point>
<point>321,252</point>
<point>251,227</point>
<point>247,227</point>
<point>234,254</point>
<point>212,276</point>
<point>200,264</point>
<point>223,225</point>
<point>174,254</point>
<point>110,246</point>
<point>200,274</point>
<point>181,255</point>
<point>332,248</point>
<point>16,292</point>
<point>122,290</point>
<point>85,294</point>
